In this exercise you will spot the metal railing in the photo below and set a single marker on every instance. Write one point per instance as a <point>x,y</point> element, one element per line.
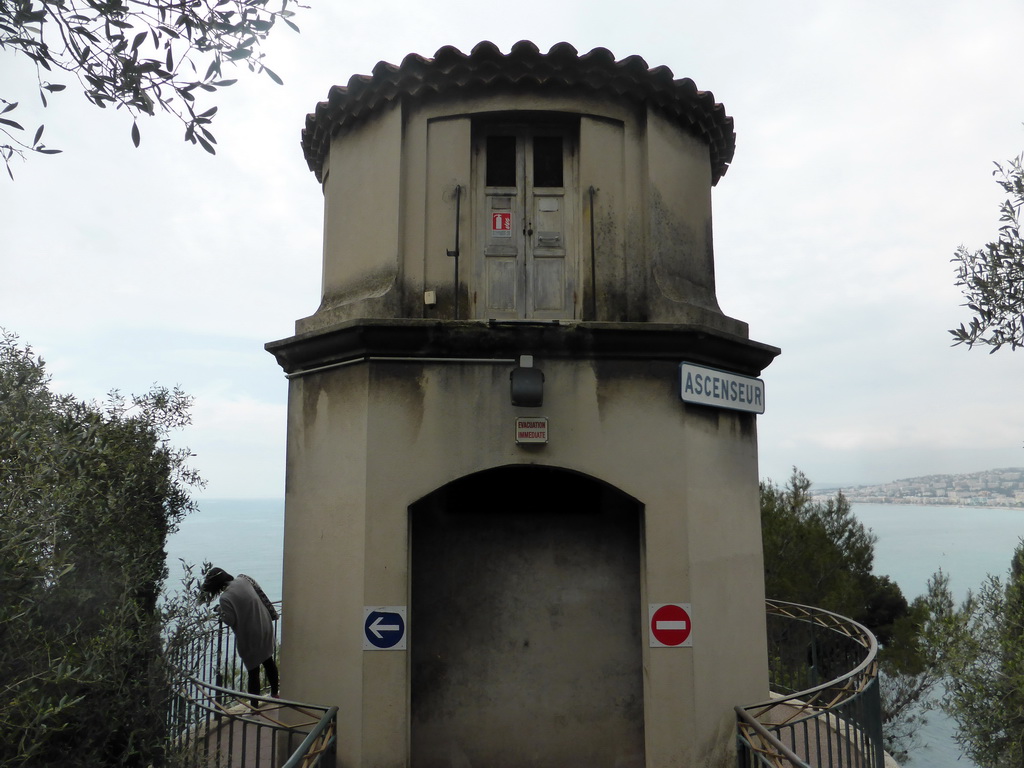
<point>807,724</point>
<point>213,723</point>
<point>826,710</point>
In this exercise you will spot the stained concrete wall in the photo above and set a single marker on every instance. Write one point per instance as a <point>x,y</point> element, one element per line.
<point>391,210</point>
<point>369,440</point>
<point>362,262</point>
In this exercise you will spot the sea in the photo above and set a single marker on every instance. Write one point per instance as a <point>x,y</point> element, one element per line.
<point>968,544</point>
<point>238,535</point>
<point>913,542</point>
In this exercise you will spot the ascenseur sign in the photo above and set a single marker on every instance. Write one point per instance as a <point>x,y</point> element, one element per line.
<point>720,389</point>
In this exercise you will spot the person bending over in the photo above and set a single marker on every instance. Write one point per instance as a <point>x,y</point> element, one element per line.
<point>245,608</point>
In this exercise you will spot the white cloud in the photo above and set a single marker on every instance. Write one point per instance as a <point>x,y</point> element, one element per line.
<point>238,444</point>
<point>866,133</point>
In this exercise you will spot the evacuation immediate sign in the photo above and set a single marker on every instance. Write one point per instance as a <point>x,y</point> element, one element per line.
<point>670,625</point>
<point>531,429</point>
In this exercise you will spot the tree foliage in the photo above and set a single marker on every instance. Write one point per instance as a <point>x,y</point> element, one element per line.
<point>88,495</point>
<point>992,279</point>
<point>817,553</point>
<point>139,55</point>
<point>912,665</point>
<point>985,689</point>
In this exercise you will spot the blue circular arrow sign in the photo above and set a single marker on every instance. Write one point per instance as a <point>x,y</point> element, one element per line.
<point>384,628</point>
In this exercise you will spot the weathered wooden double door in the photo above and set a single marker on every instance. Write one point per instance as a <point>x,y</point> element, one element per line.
<point>525,236</point>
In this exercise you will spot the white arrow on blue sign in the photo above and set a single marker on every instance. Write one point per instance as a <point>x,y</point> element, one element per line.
<point>383,627</point>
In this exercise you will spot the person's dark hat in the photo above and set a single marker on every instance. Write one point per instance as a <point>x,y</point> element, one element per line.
<point>215,580</point>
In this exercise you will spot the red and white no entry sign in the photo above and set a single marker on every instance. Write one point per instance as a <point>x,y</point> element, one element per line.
<point>670,625</point>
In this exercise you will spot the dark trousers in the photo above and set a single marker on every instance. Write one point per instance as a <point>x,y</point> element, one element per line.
<point>272,677</point>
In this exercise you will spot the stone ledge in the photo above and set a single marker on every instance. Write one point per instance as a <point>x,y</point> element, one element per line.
<point>412,339</point>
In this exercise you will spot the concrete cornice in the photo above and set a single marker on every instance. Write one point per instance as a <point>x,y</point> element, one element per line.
<point>439,340</point>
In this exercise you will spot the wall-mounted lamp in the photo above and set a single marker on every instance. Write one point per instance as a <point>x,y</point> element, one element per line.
<point>527,384</point>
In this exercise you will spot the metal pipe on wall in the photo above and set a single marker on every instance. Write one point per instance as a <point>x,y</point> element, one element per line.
<point>593,259</point>
<point>455,253</point>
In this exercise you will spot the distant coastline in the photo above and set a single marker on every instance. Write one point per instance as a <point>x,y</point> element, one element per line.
<point>993,488</point>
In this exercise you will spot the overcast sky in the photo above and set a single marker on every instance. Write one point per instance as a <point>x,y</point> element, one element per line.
<point>866,133</point>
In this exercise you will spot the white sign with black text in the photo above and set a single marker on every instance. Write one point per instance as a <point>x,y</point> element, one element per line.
<point>720,389</point>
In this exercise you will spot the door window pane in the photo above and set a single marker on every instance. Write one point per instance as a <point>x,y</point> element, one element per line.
<point>501,161</point>
<point>547,161</point>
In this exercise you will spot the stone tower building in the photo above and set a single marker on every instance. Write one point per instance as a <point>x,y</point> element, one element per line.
<point>522,517</point>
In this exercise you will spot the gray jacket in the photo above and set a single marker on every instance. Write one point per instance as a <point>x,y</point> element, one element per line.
<point>242,608</point>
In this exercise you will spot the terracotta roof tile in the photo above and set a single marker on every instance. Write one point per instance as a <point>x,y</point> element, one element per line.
<point>524,67</point>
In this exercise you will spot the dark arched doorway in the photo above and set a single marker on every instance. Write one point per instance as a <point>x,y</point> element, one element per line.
<point>525,631</point>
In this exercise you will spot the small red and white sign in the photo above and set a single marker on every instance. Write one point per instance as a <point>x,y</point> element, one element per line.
<point>501,224</point>
<point>531,429</point>
<point>670,625</point>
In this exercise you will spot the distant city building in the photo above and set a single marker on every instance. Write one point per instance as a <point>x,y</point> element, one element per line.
<point>991,488</point>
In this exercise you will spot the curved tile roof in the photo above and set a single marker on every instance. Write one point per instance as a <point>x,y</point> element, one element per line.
<point>523,67</point>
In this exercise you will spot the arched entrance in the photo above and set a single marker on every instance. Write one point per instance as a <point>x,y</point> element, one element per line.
<point>525,631</point>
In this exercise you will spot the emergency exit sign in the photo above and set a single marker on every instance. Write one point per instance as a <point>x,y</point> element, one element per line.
<point>531,429</point>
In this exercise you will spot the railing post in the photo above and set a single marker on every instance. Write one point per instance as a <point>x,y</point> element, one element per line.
<point>873,721</point>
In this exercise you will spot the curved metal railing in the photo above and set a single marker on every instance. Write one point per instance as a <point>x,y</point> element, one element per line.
<point>806,724</point>
<point>213,723</point>
<point>825,711</point>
